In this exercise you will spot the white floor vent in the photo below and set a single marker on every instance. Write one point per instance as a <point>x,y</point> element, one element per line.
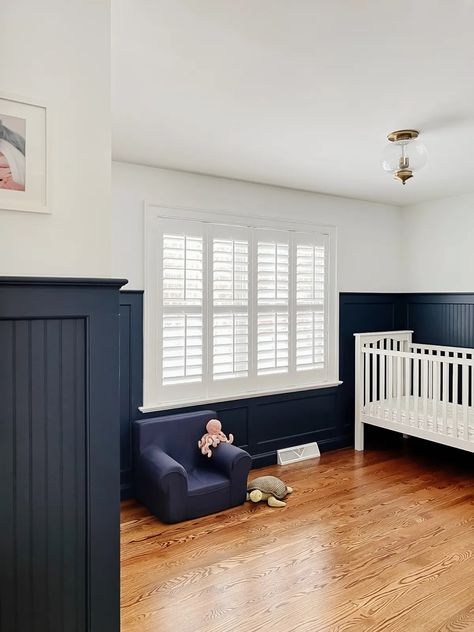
<point>298,453</point>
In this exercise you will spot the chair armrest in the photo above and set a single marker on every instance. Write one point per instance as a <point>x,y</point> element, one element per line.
<point>159,466</point>
<point>228,457</point>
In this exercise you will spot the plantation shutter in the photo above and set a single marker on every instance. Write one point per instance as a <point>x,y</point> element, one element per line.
<point>182,283</point>
<point>272,308</point>
<point>230,257</point>
<point>310,290</point>
<point>234,310</point>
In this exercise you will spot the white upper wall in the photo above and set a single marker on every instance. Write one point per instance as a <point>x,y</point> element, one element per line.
<point>437,245</point>
<point>59,52</point>
<point>368,233</point>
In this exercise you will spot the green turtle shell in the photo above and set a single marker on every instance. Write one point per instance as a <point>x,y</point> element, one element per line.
<point>268,485</point>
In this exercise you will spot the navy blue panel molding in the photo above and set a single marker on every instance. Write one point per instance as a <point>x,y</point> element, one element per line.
<point>262,425</point>
<point>59,455</point>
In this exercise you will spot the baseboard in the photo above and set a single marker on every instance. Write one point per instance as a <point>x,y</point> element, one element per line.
<point>325,445</point>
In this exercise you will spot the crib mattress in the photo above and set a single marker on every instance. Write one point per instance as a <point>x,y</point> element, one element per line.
<point>387,409</point>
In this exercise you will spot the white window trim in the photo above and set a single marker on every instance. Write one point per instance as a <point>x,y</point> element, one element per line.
<point>154,212</point>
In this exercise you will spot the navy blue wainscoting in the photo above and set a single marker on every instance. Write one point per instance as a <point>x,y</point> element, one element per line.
<point>59,455</point>
<point>359,313</point>
<point>131,379</point>
<point>262,425</point>
<point>441,319</point>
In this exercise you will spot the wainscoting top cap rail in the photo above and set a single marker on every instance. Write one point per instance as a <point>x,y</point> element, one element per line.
<point>62,281</point>
<point>384,333</point>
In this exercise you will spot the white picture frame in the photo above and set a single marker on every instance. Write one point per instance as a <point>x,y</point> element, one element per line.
<point>24,174</point>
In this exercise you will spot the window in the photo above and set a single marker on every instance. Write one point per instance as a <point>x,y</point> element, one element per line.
<point>235,310</point>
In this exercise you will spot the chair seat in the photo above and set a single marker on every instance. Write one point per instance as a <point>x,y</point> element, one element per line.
<point>205,481</point>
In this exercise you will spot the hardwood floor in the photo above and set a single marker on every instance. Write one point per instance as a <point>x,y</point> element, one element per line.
<point>381,540</point>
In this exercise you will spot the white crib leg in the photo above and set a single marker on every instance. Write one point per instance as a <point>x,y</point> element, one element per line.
<point>359,436</point>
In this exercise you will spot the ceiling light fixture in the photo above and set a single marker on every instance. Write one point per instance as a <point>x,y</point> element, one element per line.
<point>404,154</point>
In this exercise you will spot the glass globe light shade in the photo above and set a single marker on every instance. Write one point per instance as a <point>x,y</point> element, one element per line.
<point>413,150</point>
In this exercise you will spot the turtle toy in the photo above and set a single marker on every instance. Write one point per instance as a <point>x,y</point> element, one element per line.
<point>269,488</point>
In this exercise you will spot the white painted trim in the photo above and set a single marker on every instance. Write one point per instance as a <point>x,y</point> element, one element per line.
<point>247,395</point>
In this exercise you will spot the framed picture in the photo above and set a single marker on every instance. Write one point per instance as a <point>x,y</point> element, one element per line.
<point>23,156</point>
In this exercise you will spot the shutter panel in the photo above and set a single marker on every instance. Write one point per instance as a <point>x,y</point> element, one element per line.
<point>310,277</point>
<point>272,273</point>
<point>182,270</point>
<point>272,303</point>
<point>182,301</point>
<point>230,292</point>
<point>230,272</point>
<point>230,346</point>
<point>310,317</point>
<point>182,348</point>
<point>272,342</point>
<point>309,340</point>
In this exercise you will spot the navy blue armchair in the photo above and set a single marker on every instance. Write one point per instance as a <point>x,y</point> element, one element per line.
<point>174,480</point>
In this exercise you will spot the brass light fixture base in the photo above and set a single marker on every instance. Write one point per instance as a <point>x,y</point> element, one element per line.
<point>403,175</point>
<point>403,134</point>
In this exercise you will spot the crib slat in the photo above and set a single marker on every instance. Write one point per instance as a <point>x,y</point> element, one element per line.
<point>465,403</point>
<point>399,384</point>
<point>445,391</point>
<point>373,393</point>
<point>407,374</point>
<point>383,386</point>
<point>366,380</point>
<point>435,395</point>
<point>455,396</point>
<point>416,388</point>
<point>424,389</point>
<point>390,385</point>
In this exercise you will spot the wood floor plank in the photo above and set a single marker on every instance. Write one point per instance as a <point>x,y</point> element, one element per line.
<point>374,541</point>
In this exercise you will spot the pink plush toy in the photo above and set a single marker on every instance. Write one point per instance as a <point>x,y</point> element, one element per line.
<point>213,437</point>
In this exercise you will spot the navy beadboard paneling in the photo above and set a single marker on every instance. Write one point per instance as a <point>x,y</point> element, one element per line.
<point>131,371</point>
<point>59,507</point>
<point>444,319</point>
<point>358,313</point>
<point>262,425</point>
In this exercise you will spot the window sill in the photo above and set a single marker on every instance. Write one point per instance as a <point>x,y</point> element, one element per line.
<point>229,398</point>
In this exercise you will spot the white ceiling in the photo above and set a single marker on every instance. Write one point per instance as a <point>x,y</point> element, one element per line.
<point>297,93</point>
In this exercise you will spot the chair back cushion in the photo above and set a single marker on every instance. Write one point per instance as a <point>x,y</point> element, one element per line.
<point>177,435</point>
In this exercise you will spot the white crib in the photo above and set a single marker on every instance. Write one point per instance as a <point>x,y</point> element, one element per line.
<point>425,391</point>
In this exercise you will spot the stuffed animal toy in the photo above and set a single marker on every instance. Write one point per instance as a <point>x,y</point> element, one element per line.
<point>213,437</point>
<point>269,488</point>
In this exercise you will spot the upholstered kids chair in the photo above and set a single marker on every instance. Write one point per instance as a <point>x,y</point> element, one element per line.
<point>174,480</point>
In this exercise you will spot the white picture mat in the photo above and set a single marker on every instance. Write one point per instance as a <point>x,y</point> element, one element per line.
<point>34,198</point>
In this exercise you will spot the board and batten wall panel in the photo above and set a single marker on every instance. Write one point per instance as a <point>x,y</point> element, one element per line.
<point>59,455</point>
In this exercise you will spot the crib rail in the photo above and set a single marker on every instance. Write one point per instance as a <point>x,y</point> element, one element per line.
<point>410,386</point>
